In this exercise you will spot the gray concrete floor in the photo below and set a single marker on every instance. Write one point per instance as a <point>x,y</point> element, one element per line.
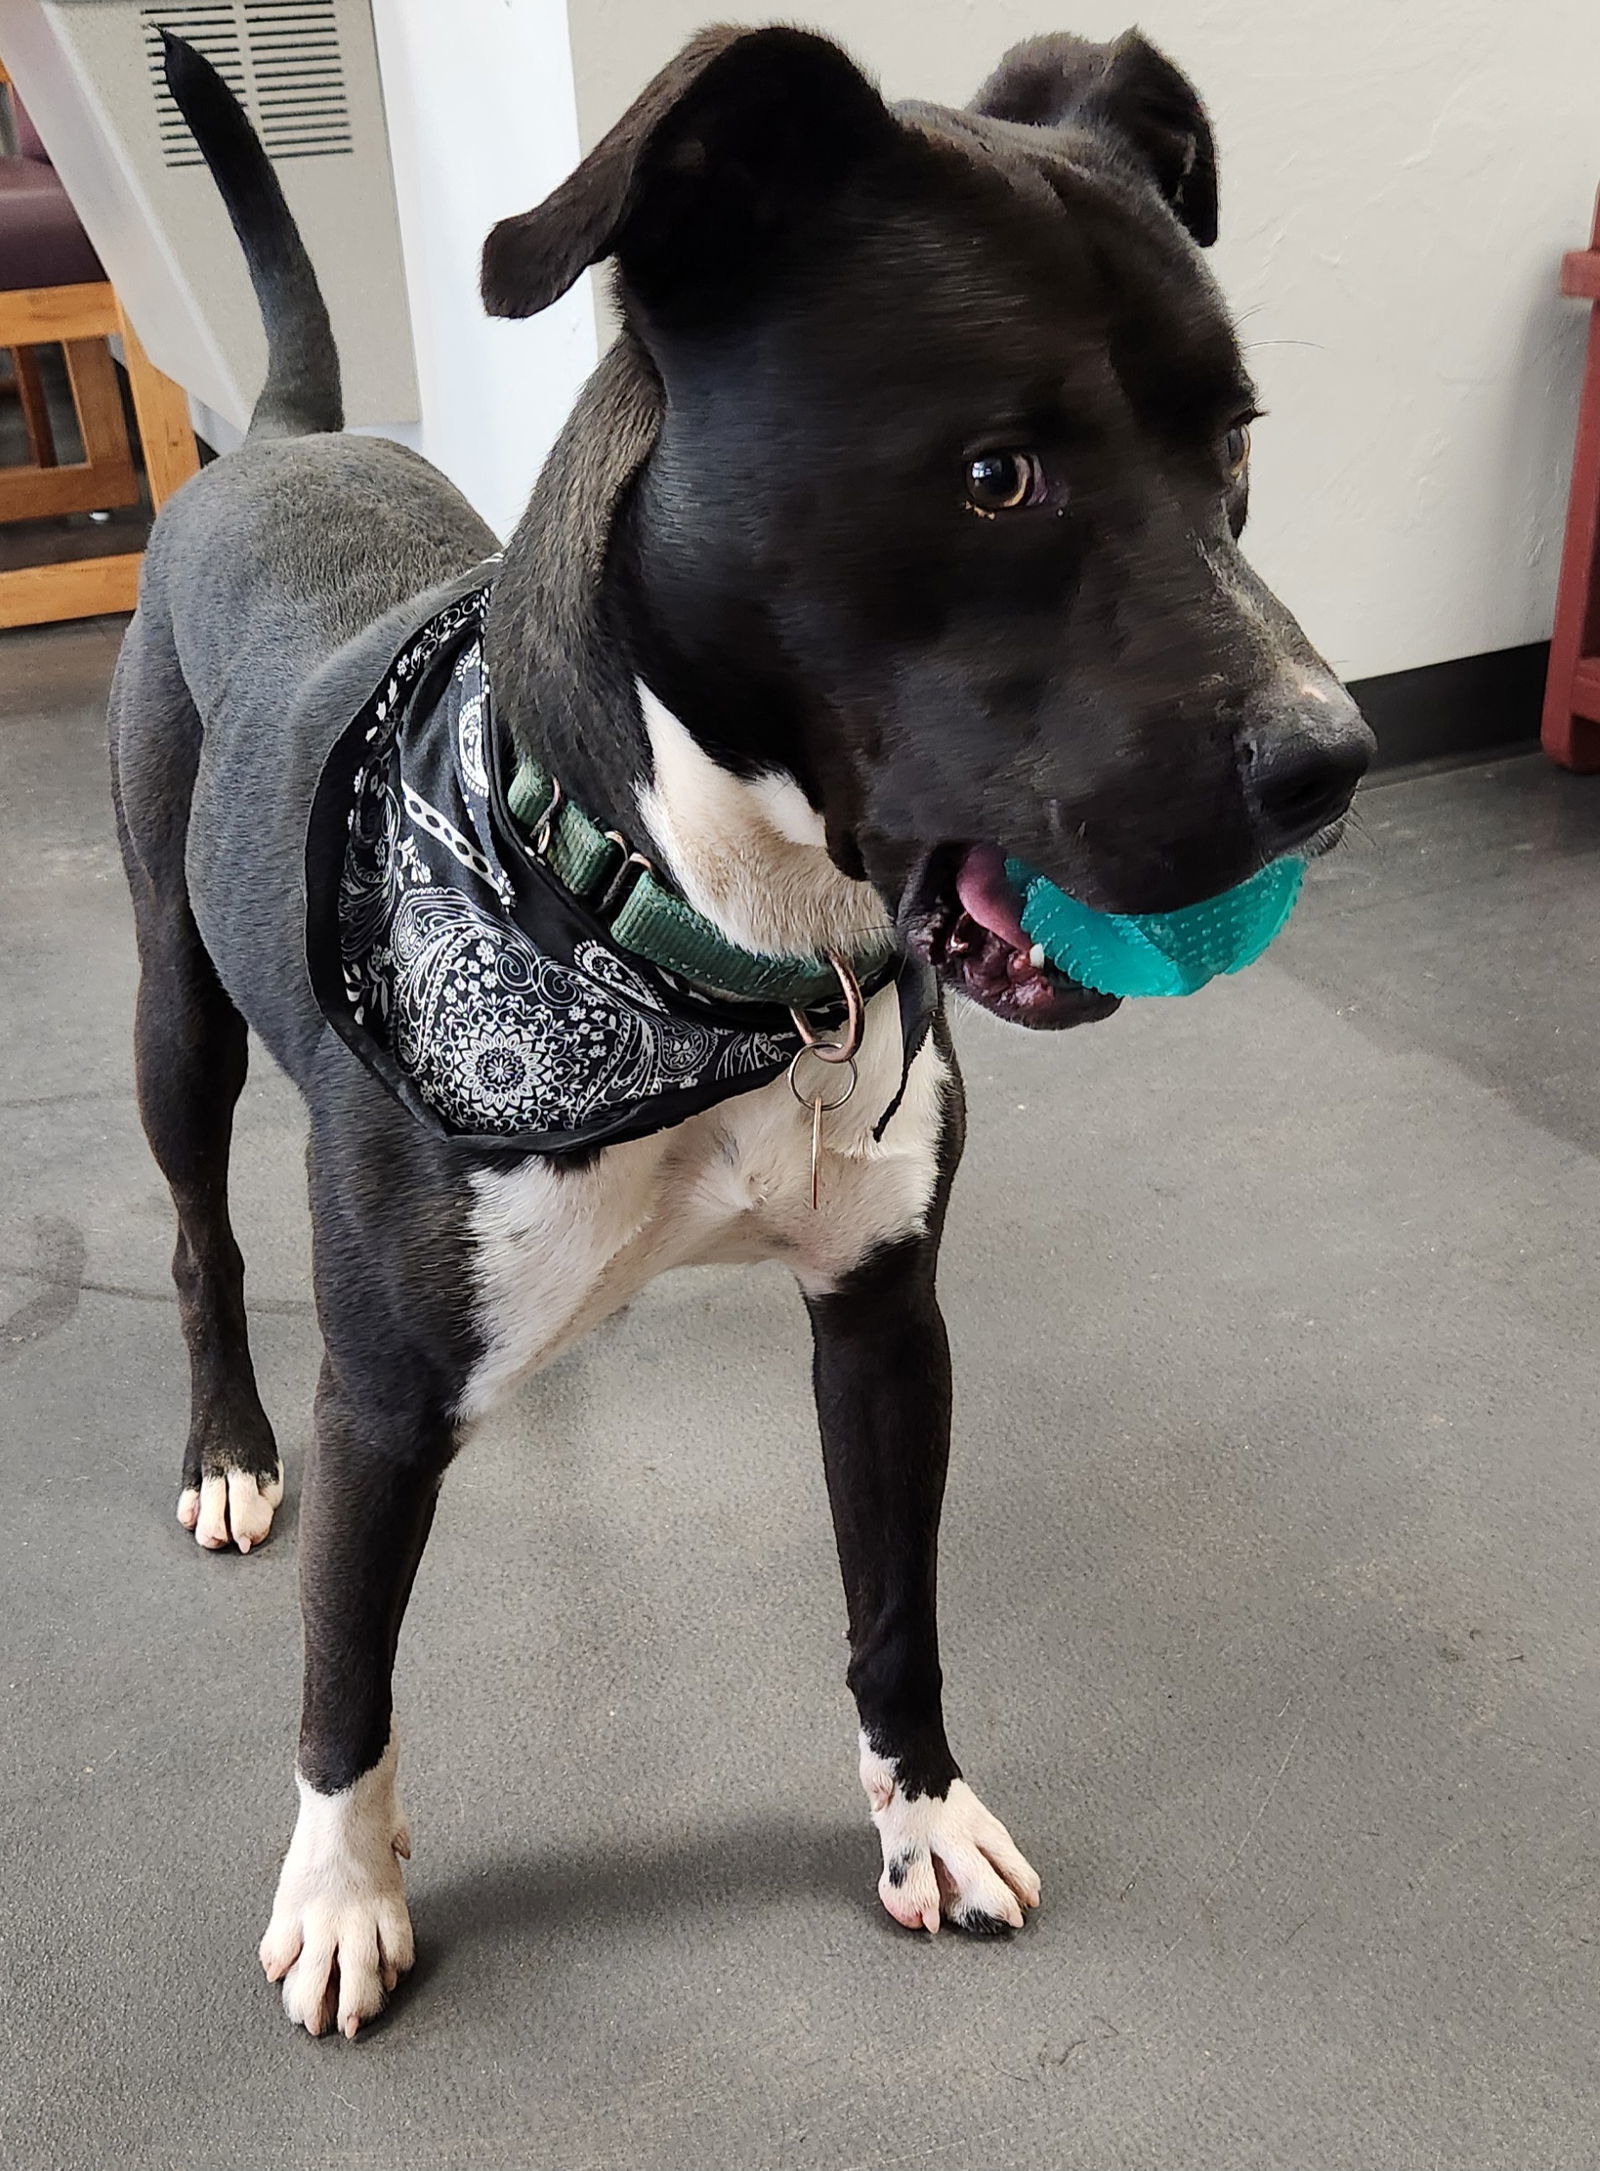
<point>1268,1589</point>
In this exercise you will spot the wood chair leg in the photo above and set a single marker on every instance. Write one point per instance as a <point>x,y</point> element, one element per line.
<point>40,595</point>
<point>35,407</point>
<point>102,425</point>
<point>162,407</point>
<point>80,317</point>
<point>105,475</point>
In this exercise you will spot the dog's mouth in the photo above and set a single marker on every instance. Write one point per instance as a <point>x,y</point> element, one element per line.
<point>963,915</point>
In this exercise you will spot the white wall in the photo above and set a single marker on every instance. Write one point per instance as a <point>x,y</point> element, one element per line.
<point>482,122</point>
<point>1399,179</point>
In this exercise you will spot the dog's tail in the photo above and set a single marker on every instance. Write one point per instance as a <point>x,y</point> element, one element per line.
<point>302,391</point>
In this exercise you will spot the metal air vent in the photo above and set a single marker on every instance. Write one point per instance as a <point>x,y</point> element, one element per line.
<point>280,58</point>
<point>306,71</point>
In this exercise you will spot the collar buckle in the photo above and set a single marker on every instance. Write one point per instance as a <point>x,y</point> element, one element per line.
<point>629,868</point>
<point>541,836</point>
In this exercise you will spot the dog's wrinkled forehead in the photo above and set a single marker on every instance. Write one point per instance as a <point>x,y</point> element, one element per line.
<point>1079,258</point>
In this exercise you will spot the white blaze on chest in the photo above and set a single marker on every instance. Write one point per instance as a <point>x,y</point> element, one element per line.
<point>556,1248</point>
<point>748,852</point>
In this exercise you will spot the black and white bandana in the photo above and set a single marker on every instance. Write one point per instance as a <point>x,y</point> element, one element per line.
<point>487,999</point>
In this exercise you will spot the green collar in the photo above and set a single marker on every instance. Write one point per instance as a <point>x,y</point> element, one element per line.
<point>643,916</point>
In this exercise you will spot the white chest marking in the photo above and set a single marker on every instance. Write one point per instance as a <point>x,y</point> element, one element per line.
<point>748,852</point>
<point>557,1249</point>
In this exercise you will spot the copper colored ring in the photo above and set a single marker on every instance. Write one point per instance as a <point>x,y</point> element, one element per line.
<point>855,1010</point>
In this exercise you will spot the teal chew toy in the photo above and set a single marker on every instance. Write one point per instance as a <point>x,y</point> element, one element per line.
<point>1157,953</point>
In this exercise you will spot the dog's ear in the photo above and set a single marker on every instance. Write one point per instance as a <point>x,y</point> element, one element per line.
<point>1126,86</point>
<point>711,165</point>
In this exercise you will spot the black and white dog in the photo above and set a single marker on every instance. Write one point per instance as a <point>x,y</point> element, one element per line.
<point>895,534</point>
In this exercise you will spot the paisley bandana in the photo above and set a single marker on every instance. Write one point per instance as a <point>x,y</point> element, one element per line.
<point>485,996</point>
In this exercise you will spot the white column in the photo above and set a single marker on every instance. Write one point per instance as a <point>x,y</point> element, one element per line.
<point>482,122</point>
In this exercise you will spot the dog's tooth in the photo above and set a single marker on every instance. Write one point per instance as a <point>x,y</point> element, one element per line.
<point>1036,957</point>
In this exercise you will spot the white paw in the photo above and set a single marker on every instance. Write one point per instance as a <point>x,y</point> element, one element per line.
<point>232,1508</point>
<point>340,1935</point>
<point>945,1856</point>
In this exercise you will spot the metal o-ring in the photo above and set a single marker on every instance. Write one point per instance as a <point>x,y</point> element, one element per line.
<point>826,1055</point>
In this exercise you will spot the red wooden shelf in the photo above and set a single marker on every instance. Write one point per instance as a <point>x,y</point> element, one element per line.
<point>1580,272</point>
<point>1586,689</point>
<point>1571,728</point>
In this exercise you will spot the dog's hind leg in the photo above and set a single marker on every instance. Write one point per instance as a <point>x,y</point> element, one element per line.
<point>189,1058</point>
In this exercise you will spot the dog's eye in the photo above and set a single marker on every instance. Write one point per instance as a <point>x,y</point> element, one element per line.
<point>1236,449</point>
<point>999,482</point>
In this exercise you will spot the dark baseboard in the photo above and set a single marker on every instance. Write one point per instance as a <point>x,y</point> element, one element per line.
<point>1466,706</point>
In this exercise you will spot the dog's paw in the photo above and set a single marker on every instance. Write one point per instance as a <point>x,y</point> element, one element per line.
<point>340,1935</point>
<point>230,1507</point>
<point>945,1857</point>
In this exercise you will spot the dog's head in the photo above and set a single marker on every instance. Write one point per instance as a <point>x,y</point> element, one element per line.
<point>941,515</point>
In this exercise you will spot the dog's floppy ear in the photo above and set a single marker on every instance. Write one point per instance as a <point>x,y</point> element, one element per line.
<point>710,165</point>
<point>1126,86</point>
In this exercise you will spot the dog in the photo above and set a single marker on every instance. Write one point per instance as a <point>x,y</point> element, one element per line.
<point>895,535</point>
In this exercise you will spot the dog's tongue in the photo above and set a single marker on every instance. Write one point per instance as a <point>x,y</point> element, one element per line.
<point>984,891</point>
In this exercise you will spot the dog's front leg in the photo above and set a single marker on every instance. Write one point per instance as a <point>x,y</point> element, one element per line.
<point>882,1375</point>
<point>340,1935</point>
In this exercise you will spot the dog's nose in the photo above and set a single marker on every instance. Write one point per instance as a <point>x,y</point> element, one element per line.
<point>1301,761</point>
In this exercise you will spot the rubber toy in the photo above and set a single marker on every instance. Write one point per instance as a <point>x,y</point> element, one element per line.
<point>1157,953</point>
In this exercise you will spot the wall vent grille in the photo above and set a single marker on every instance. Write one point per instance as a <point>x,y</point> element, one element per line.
<point>280,58</point>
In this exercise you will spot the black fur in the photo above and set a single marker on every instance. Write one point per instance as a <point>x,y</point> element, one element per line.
<point>708,177</point>
<point>1128,89</point>
<point>881,1373</point>
<point>561,667</point>
<point>791,566</point>
<point>759,509</point>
